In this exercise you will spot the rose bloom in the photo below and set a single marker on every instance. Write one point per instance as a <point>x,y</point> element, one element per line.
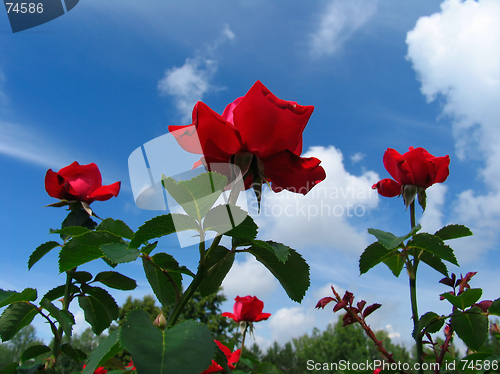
<point>248,309</point>
<point>232,359</point>
<point>99,370</point>
<point>260,134</point>
<point>77,182</point>
<point>415,171</point>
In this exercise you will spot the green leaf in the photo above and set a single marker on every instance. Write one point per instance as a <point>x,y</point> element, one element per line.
<point>373,255</point>
<point>116,280</point>
<point>226,218</point>
<point>197,195</point>
<point>434,262</point>
<point>74,353</point>
<point>213,281</point>
<point>162,225</point>
<point>465,299</point>
<point>119,253</point>
<point>453,232</point>
<point>10,368</point>
<point>430,322</point>
<point>58,292</point>
<point>293,275</point>
<point>116,227</point>
<point>9,297</point>
<point>245,230</point>
<point>70,230</point>
<point>471,326</point>
<point>434,245</point>
<point>391,241</point>
<point>280,250</point>
<point>395,262</point>
<point>82,276</point>
<point>15,317</point>
<point>85,248</point>
<point>165,287</point>
<point>108,348</point>
<point>34,351</point>
<point>65,318</point>
<point>186,348</point>
<point>268,368</point>
<point>30,367</point>
<point>99,307</point>
<point>495,307</point>
<point>41,251</point>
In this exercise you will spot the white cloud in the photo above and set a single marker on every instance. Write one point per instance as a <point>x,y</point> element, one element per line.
<point>432,219</point>
<point>339,20</point>
<point>249,277</point>
<point>26,144</point>
<point>357,157</point>
<point>288,323</point>
<point>326,216</point>
<point>456,54</point>
<point>190,82</point>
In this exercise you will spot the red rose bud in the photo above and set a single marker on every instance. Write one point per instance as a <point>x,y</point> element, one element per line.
<point>160,321</point>
<point>248,308</point>
<point>495,329</point>
<point>416,168</point>
<point>79,183</point>
<point>259,133</point>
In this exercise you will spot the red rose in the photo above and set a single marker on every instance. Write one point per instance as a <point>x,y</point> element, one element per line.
<point>232,359</point>
<point>79,183</point>
<point>249,309</point>
<point>99,370</point>
<point>415,171</point>
<point>259,133</point>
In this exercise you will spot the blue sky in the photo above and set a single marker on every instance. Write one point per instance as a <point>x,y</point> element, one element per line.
<point>107,77</point>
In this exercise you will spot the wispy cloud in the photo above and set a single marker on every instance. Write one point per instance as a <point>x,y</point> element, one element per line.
<point>339,20</point>
<point>189,83</point>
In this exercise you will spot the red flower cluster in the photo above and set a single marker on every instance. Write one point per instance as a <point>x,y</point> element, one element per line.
<point>259,133</point>
<point>413,172</point>
<point>77,182</point>
<point>248,309</point>
<point>232,359</point>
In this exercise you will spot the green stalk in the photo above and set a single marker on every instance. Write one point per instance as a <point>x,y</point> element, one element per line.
<point>412,273</point>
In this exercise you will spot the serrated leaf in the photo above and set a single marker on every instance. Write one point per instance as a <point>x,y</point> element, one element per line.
<point>70,230</point>
<point>99,307</point>
<point>471,326</point>
<point>74,353</point>
<point>225,218</point>
<point>41,251</point>
<point>116,280</point>
<point>165,287</point>
<point>65,318</point>
<point>430,322</point>
<point>15,317</point>
<point>162,225</point>
<point>465,299</point>
<point>293,275</point>
<point>167,351</point>
<point>434,262</point>
<point>391,241</point>
<point>82,276</point>
<point>58,292</point>
<point>34,351</point>
<point>213,281</point>
<point>245,230</point>
<point>373,255</point>
<point>119,253</point>
<point>9,297</point>
<point>495,307</point>
<point>280,250</point>
<point>453,232</point>
<point>85,248</point>
<point>117,227</point>
<point>434,245</point>
<point>395,262</point>
<point>109,347</point>
<point>197,195</point>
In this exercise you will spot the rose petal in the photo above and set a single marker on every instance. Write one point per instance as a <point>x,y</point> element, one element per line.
<point>388,188</point>
<point>397,167</point>
<point>106,192</point>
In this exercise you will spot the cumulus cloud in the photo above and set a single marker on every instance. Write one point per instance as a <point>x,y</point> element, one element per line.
<point>190,82</point>
<point>339,20</point>
<point>357,157</point>
<point>432,219</point>
<point>326,216</point>
<point>288,323</point>
<point>456,54</point>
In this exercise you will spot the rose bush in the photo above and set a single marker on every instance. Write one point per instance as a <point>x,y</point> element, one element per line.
<point>248,309</point>
<point>77,182</point>
<point>259,133</point>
